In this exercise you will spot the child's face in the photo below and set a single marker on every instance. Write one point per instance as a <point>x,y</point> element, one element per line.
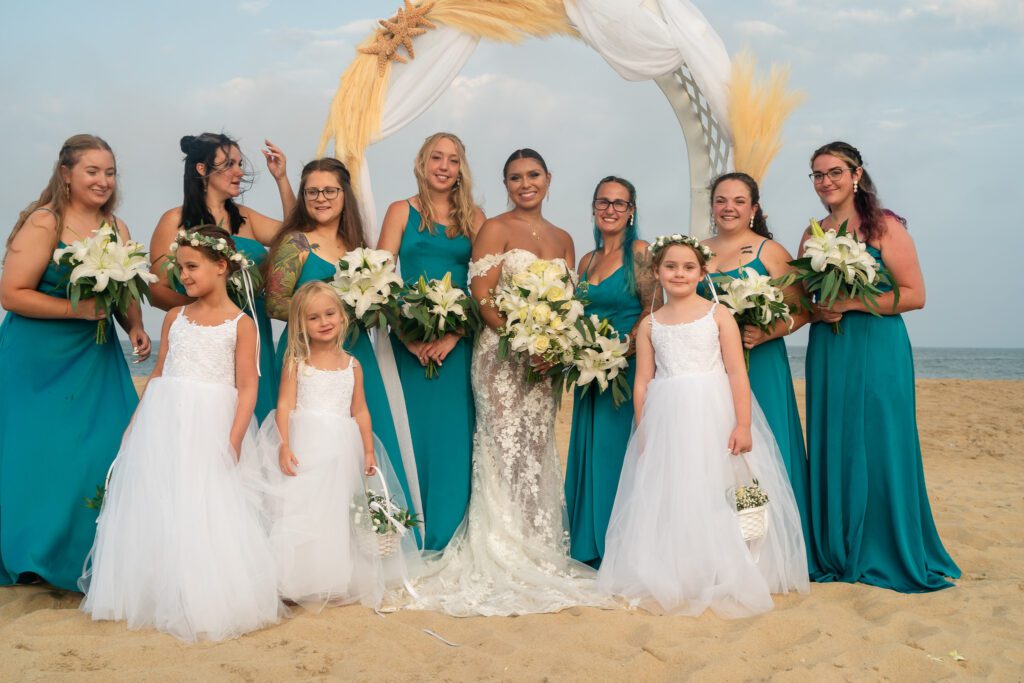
<point>323,318</point>
<point>680,270</point>
<point>200,274</point>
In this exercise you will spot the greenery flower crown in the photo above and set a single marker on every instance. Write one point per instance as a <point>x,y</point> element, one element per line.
<point>660,243</point>
<point>219,244</point>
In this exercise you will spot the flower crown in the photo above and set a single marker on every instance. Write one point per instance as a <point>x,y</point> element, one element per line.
<point>197,239</point>
<point>660,243</point>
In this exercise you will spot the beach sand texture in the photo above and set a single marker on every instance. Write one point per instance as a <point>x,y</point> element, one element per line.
<point>973,439</point>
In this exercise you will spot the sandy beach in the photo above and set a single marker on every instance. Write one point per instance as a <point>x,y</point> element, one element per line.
<point>973,441</point>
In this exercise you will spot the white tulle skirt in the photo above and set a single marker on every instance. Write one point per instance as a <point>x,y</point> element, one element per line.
<point>179,545</point>
<point>674,545</point>
<point>319,559</point>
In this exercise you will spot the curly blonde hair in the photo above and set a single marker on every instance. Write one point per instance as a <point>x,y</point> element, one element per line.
<point>462,207</point>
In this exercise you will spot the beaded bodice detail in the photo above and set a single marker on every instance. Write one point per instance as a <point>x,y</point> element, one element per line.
<point>325,391</point>
<point>205,353</point>
<point>687,348</point>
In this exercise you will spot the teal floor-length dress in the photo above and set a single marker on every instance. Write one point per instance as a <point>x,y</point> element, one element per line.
<point>771,382</point>
<point>266,398</point>
<point>870,516</point>
<point>316,268</point>
<point>441,412</point>
<point>600,431</point>
<point>65,401</point>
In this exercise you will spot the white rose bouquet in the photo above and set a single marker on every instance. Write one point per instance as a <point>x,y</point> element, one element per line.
<point>236,281</point>
<point>432,309</point>
<point>369,286</point>
<point>756,300</point>
<point>601,359</point>
<point>836,264</point>
<point>113,272</point>
<point>542,318</point>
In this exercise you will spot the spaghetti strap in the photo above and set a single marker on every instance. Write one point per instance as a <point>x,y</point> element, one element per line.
<point>758,254</point>
<point>589,263</point>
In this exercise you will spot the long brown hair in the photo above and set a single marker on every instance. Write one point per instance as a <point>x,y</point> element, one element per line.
<point>350,227</point>
<point>460,199</point>
<point>56,195</point>
<point>865,200</point>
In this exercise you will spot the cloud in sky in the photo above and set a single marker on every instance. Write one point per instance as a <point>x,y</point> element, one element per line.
<point>920,86</point>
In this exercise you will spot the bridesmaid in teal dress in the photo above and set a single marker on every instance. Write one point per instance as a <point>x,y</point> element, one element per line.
<point>441,412</point>
<point>214,177</point>
<point>618,284</point>
<point>742,240</point>
<point>65,400</point>
<point>320,229</point>
<point>871,518</point>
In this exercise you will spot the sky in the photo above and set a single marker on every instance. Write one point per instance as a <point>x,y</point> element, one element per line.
<point>924,88</point>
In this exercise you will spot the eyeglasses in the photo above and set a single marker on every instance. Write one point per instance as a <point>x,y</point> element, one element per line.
<point>833,174</point>
<point>619,205</point>
<point>311,193</point>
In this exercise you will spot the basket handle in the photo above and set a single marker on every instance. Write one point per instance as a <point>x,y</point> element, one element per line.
<point>746,465</point>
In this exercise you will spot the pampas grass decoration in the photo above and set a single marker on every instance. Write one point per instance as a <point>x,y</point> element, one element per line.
<point>757,112</point>
<point>353,120</point>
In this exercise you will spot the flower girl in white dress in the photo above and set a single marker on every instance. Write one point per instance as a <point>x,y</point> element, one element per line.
<point>674,544</point>
<point>179,545</point>
<point>315,449</point>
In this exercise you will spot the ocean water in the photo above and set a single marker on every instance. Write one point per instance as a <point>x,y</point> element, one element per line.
<point>929,362</point>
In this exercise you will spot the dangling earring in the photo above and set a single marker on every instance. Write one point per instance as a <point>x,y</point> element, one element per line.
<point>855,187</point>
<point>67,190</point>
<point>751,221</point>
<point>458,181</point>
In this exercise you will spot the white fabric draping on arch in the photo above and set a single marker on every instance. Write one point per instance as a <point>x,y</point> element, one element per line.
<point>640,45</point>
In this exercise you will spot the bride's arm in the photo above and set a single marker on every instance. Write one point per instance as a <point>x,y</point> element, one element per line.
<point>489,242</point>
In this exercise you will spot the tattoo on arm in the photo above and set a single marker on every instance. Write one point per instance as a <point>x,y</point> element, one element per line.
<point>285,269</point>
<point>646,282</point>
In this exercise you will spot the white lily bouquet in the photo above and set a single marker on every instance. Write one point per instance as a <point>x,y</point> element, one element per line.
<point>236,281</point>
<point>432,309</point>
<point>542,318</point>
<point>756,300</point>
<point>836,264</point>
<point>368,284</point>
<point>601,359</point>
<point>113,272</point>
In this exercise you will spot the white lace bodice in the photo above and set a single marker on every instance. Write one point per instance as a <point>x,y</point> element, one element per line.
<point>205,353</point>
<point>687,348</point>
<point>325,391</point>
<point>513,260</point>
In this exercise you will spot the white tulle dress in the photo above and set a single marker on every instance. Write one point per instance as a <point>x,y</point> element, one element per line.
<point>674,545</point>
<point>320,561</point>
<point>179,545</point>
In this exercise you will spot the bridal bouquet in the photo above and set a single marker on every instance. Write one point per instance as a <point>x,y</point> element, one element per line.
<point>369,286</point>
<point>112,271</point>
<point>836,264</point>
<point>542,318</point>
<point>602,359</point>
<point>756,300</point>
<point>236,281</point>
<point>432,309</point>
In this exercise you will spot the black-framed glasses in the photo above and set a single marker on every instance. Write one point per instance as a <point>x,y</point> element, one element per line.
<point>620,205</point>
<point>833,174</point>
<point>311,193</point>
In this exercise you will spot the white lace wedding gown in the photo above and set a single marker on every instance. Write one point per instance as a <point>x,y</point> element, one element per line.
<point>179,546</point>
<point>673,543</point>
<point>510,555</point>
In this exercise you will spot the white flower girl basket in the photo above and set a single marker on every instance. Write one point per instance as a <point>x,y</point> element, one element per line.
<point>376,544</point>
<point>753,520</point>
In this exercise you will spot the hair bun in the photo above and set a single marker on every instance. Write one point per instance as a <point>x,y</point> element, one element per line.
<point>188,144</point>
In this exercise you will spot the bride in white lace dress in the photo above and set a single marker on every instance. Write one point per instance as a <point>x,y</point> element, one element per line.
<point>510,555</point>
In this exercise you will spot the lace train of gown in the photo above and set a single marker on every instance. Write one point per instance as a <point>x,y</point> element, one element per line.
<point>510,554</point>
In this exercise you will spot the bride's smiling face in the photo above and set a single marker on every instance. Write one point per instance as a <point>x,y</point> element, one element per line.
<point>527,183</point>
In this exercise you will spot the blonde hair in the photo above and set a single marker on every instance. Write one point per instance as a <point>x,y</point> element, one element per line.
<point>55,196</point>
<point>297,350</point>
<point>460,200</point>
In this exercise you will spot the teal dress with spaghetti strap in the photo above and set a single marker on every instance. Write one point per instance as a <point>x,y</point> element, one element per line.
<point>65,401</point>
<point>266,398</point>
<point>441,413</point>
<point>871,521</point>
<point>316,268</point>
<point>600,431</point>
<point>771,382</point>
